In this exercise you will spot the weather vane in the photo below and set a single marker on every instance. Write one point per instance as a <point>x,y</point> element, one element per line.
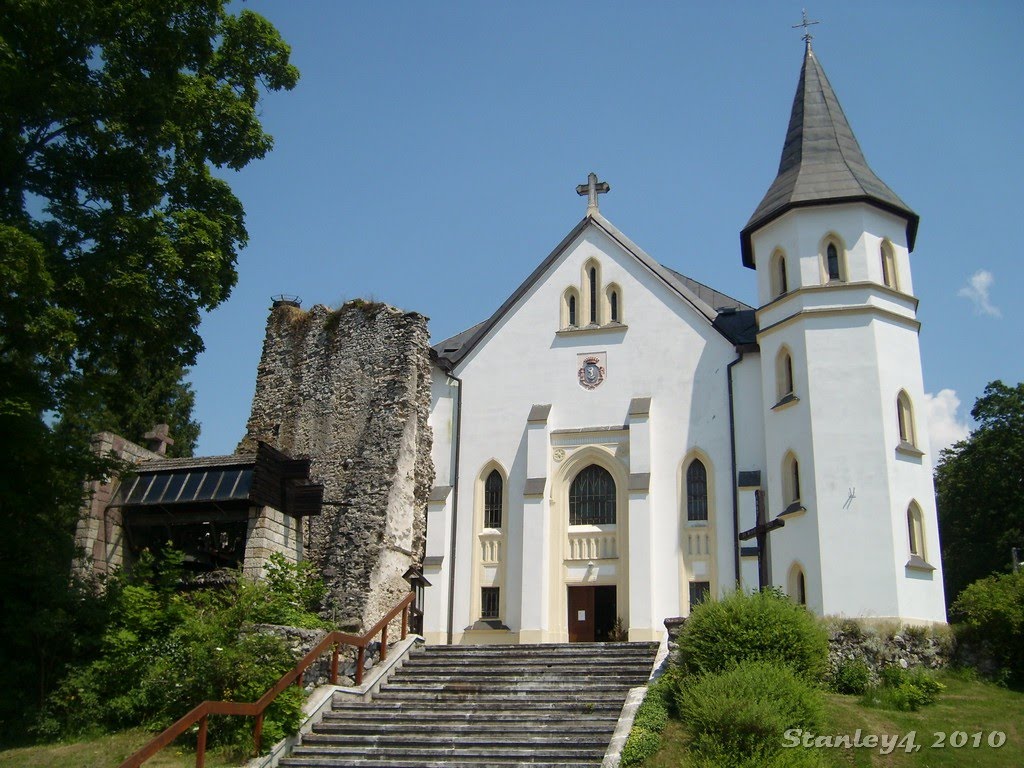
<point>805,24</point>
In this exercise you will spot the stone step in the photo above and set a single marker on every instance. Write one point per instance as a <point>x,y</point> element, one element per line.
<point>550,679</point>
<point>488,666</point>
<point>514,685</point>
<point>469,740</point>
<point>513,728</point>
<point>470,711</point>
<point>456,753</point>
<point>500,697</point>
<point>312,761</point>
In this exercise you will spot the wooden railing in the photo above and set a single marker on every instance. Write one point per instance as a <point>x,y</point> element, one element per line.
<point>257,708</point>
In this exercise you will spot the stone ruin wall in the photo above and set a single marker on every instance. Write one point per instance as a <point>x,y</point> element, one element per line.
<point>350,389</point>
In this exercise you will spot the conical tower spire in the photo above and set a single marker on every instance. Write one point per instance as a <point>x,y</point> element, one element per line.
<point>821,163</point>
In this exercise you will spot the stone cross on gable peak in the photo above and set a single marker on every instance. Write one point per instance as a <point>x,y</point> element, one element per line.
<point>592,189</point>
<point>159,438</point>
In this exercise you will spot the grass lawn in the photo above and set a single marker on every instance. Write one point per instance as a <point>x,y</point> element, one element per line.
<point>966,706</point>
<point>104,752</point>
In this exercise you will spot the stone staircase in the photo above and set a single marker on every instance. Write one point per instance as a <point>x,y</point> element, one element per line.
<point>484,705</point>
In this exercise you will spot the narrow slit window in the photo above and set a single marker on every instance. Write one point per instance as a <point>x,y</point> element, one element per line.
<point>615,306</point>
<point>593,295</point>
<point>832,258</point>
<point>572,310</point>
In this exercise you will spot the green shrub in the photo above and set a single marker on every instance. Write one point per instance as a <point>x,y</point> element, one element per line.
<point>991,614</point>
<point>904,690</point>
<point>738,717</point>
<point>164,651</point>
<point>852,676</point>
<point>764,626</point>
<point>640,745</point>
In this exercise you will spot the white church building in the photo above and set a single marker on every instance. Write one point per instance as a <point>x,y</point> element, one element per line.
<point>608,441</point>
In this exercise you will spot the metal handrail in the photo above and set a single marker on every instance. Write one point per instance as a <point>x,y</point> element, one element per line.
<point>257,708</point>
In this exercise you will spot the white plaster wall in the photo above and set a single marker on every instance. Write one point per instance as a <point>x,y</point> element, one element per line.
<point>852,351</point>
<point>668,352</point>
<point>749,405</point>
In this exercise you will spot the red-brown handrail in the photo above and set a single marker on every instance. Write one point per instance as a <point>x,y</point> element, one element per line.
<point>257,708</point>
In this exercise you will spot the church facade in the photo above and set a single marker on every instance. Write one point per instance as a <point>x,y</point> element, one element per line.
<point>618,441</point>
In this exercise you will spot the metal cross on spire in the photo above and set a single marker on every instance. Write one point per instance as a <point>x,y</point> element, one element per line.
<point>806,24</point>
<point>592,189</point>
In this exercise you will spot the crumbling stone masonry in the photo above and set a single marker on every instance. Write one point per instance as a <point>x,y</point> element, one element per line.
<point>350,389</point>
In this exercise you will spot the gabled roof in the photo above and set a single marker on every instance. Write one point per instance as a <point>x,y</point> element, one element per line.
<point>706,301</point>
<point>821,163</point>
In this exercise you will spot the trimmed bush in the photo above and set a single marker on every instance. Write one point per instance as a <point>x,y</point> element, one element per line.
<point>738,717</point>
<point>639,746</point>
<point>991,616</point>
<point>764,626</point>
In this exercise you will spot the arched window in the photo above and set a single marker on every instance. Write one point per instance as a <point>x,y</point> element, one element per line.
<point>592,275</point>
<point>493,494</point>
<point>832,262</point>
<point>696,491</point>
<point>614,302</point>
<point>915,530</point>
<point>797,585</point>
<point>592,497</point>
<point>784,373</point>
<point>790,479</point>
<point>888,266</point>
<point>779,280</point>
<point>613,296</point>
<point>905,418</point>
<point>570,307</point>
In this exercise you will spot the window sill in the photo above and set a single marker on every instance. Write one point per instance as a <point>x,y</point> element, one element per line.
<point>785,402</point>
<point>589,329</point>
<point>918,563</point>
<point>793,509</point>
<point>696,523</point>
<point>909,450</point>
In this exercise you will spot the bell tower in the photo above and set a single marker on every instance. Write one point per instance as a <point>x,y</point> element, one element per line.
<point>848,464</point>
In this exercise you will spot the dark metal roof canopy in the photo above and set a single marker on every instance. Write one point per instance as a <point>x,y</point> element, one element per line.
<point>267,478</point>
<point>821,163</point>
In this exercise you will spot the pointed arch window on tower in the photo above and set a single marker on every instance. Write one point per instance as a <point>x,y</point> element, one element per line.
<point>493,495</point>
<point>784,377</point>
<point>888,266</point>
<point>592,497</point>
<point>791,480</point>
<point>696,491</point>
<point>779,280</point>
<point>572,310</point>
<point>832,262</point>
<point>915,530</point>
<point>905,419</point>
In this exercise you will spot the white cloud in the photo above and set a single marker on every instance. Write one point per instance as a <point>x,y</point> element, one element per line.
<point>944,427</point>
<point>977,291</point>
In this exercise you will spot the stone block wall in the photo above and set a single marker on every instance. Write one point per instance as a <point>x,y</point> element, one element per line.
<point>100,532</point>
<point>350,388</point>
<point>270,531</point>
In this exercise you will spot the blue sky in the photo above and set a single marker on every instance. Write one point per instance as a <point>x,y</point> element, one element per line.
<point>428,158</point>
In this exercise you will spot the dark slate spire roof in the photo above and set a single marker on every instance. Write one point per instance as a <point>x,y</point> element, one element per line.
<point>822,162</point>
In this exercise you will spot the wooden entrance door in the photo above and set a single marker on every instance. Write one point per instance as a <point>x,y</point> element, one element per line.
<point>581,615</point>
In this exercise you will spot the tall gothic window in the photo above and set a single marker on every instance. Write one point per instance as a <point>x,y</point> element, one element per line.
<point>572,310</point>
<point>832,262</point>
<point>915,530</point>
<point>696,491</point>
<point>791,479</point>
<point>492,500</point>
<point>905,419</point>
<point>593,295</point>
<point>779,281</point>
<point>592,497</point>
<point>615,306</point>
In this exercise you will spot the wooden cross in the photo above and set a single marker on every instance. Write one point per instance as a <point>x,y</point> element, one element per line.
<point>760,532</point>
<point>806,23</point>
<point>592,189</point>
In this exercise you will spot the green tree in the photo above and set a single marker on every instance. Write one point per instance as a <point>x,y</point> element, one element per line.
<point>115,234</point>
<point>980,491</point>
